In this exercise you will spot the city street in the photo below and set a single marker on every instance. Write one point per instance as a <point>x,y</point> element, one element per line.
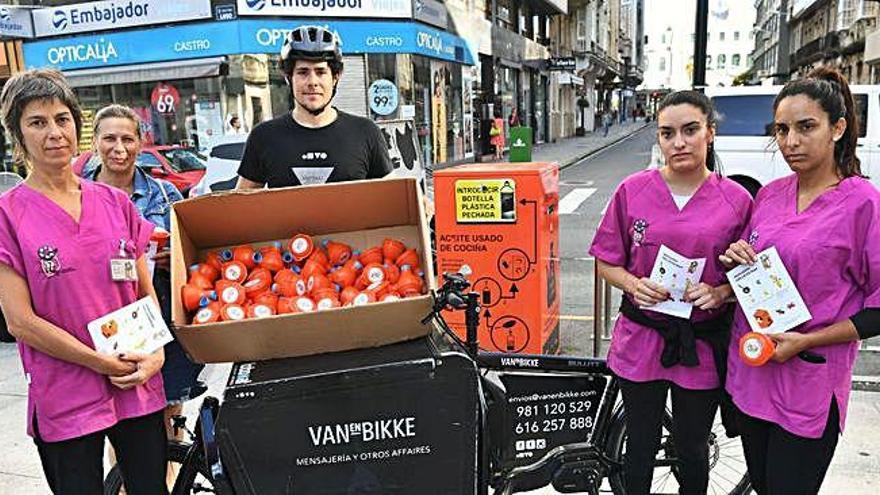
<point>586,187</point>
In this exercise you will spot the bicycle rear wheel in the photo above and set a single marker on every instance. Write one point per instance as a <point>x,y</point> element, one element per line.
<point>192,477</point>
<point>727,466</point>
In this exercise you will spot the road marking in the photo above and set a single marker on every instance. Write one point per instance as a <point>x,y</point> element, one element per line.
<point>573,200</point>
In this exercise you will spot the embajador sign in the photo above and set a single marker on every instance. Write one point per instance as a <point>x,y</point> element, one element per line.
<point>100,16</point>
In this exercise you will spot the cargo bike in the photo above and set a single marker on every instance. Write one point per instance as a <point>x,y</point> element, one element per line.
<point>430,416</point>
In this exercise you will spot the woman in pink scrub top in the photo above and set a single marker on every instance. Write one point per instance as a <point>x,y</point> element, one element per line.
<point>58,235</point>
<point>825,222</point>
<point>696,213</point>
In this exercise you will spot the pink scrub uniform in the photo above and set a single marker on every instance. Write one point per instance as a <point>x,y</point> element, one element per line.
<point>832,251</point>
<point>67,268</point>
<point>641,216</point>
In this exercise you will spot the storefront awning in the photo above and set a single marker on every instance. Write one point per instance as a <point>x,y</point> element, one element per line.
<point>156,71</point>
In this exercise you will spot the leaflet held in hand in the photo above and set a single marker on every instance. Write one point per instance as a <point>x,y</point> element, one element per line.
<point>767,295</point>
<point>137,327</point>
<point>676,274</point>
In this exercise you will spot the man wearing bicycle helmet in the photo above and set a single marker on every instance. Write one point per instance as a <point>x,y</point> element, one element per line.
<point>316,143</point>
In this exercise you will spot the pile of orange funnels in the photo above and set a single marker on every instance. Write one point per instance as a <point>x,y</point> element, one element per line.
<point>298,277</point>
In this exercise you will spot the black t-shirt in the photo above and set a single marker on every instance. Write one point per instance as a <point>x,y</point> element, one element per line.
<point>281,152</point>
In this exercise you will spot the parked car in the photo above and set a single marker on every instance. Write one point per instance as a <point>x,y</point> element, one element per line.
<point>744,140</point>
<point>224,157</point>
<point>180,166</point>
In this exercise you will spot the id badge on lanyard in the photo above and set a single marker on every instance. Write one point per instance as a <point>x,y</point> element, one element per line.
<point>123,267</point>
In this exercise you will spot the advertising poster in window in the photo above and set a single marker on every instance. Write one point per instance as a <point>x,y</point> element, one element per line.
<point>468,113</point>
<point>146,116</point>
<point>208,121</point>
<point>439,80</point>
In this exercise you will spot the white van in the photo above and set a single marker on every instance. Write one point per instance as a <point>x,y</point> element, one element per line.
<point>744,141</point>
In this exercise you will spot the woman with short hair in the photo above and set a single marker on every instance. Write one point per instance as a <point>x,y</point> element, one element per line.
<point>58,236</point>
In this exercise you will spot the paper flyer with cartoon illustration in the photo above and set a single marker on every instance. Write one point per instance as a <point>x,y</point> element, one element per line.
<point>676,274</point>
<point>137,327</point>
<point>767,295</point>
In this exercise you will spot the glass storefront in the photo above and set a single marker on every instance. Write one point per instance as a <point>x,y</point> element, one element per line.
<point>507,91</point>
<point>538,120</point>
<point>193,111</point>
<point>183,111</point>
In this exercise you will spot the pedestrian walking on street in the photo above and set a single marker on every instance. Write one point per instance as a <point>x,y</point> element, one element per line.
<point>792,410</point>
<point>117,142</point>
<point>606,122</point>
<point>654,354</point>
<point>315,143</point>
<point>59,237</point>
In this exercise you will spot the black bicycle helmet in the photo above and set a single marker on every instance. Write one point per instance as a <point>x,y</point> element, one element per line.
<point>311,43</point>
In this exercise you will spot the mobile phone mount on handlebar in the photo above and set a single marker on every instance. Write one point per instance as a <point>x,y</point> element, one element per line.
<point>452,295</point>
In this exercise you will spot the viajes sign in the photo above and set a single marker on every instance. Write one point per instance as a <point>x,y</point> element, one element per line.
<point>99,16</point>
<point>327,8</point>
<point>15,22</point>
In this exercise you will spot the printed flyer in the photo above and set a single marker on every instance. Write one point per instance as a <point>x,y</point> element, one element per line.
<point>676,274</point>
<point>767,295</point>
<point>137,327</point>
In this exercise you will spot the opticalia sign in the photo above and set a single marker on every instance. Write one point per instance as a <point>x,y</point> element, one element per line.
<point>327,8</point>
<point>98,16</point>
<point>133,46</point>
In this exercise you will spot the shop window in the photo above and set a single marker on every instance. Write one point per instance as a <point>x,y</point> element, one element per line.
<point>422,99</point>
<point>454,120</point>
<point>382,66</point>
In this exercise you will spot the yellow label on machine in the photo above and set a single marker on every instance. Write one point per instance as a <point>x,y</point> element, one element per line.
<point>485,201</point>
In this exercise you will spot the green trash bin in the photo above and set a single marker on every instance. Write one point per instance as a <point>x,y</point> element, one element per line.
<point>520,144</point>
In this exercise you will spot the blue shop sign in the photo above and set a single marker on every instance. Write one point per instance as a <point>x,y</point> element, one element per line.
<point>133,47</point>
<point>266,36</point>
<point>234,37</point>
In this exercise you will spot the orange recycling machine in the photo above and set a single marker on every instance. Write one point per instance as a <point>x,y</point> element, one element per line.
<point>499,222</point>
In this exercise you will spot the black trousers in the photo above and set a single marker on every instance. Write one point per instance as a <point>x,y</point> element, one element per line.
<point>76,466</point>
<point>693,412</point>
<point>782,463</point>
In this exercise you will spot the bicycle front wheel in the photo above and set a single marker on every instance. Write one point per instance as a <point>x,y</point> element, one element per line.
<point>727,466</point>
<point>183,477</point>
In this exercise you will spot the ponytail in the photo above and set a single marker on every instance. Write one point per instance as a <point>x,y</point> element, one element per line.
<point>829,88</point>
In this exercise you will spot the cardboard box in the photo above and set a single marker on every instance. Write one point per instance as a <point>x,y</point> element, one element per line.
<point>361,213</point>
<point>501,221</point>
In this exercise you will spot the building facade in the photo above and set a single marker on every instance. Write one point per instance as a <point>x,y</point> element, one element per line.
<point>187,76</point>
<point>670,47</point>
<point>833,33</point>
<point>770,57</point>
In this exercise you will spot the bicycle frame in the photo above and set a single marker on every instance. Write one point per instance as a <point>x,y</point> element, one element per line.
<point>578,466</point>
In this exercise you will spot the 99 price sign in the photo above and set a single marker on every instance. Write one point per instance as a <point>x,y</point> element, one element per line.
<point>383,97</point>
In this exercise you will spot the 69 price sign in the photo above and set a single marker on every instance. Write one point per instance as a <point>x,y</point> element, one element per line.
<point>383,96</point>
<point>165,98</point>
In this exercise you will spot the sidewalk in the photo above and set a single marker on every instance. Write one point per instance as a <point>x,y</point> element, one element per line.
<point>569,151</point>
